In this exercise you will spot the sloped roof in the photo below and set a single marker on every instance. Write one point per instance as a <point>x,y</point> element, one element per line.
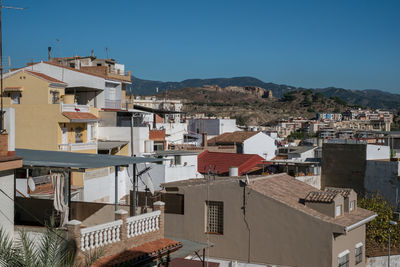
<point>230,138</point>
<point>288,190</point>
<point>45,77</point>
<point>345,192</point>
<point>221,162</point>
<point>321,196</point>
<point>140,255</point>
<point>80,116</point>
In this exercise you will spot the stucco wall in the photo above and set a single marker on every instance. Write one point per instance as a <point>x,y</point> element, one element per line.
<point>260,144</point>
<point>140,135</point>
<point>378,152</point>
<point>343,165</point>
<point>383,261</point>
<point>349,242</point>
<point>7,205</point>
<point>313,180</point>
<point>278,234</point>
<point>383,176</point>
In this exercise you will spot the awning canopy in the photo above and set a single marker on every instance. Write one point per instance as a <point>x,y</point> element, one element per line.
<point>188,247</point>
<point>60,159</point>
<point>108,145</point>
<point>13,89</point>
<point>80,116</point>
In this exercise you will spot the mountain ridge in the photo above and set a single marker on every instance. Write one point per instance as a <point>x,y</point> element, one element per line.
<point>373,98</point>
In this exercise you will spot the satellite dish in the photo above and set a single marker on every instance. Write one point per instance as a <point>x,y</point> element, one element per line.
<point>31,184</point>
<point>147,181</point>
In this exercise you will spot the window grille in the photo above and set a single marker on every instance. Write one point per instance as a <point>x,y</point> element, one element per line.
<point>215,217</point>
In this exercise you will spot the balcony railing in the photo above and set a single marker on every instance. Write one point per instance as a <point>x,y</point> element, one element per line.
<point>142,224</point>
<point>71,147</point>
<point>100,235</point>
<point>74,108</point>
<point>112,104</point>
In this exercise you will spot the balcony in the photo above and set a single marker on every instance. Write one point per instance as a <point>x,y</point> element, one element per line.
<point>74,108</point>
<point>73,147</point>
<point>112,104</point>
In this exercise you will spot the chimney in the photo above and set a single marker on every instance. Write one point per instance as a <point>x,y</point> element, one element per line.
<point>92,53</point>
<point>49,49</point>
<point>204,139</point>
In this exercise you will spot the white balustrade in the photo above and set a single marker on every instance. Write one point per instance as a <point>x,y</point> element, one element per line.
<point>100,235</point>
<point>143,223</point>
<point>74,108</point>
<point>78,146</point>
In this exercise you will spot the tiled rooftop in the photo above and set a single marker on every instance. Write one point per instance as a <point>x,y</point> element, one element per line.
<point>345,192</point>
<point>321,196</point>
<point>231,138</point>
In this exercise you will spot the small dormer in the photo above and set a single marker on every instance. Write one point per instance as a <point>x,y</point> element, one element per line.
<point>325,202</point>
<point>349,195</point>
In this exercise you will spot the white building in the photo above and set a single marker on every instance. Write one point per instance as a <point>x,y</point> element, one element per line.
<point>177,166</point>
<point>212,126</point>
<point>247,143</point>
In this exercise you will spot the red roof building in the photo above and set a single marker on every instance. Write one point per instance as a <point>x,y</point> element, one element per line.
<point>221,162</point>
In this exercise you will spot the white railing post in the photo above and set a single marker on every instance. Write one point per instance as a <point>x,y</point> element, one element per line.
<point>142,224</point>
<point>100,235</point>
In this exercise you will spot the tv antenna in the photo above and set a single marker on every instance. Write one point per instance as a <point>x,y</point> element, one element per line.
<point>1,66</point>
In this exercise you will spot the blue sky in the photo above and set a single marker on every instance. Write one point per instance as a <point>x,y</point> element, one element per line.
<point>353,44</point>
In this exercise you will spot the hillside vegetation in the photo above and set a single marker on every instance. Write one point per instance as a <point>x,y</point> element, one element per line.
<point>249,109</point>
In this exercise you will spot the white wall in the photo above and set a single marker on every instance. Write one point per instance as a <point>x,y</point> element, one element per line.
<point>7,205</point>
<point>260,144</point>
<point>103,186</point>
<point>212,127</point>
<point>165,172</point>
<point>302,156</point>
<point>174,132</point>
<point>9,125</point>
<point>378,152</point>
<point>140,135</point>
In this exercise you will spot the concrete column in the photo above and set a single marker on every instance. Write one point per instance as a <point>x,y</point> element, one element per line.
<point>159,205</point>
<point>74,232</point>
<point>122,215</point>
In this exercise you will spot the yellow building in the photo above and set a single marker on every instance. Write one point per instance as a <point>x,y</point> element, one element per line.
<point>45,117</point>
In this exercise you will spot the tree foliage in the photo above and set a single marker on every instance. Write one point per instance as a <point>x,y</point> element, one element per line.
<point>52,249</point>
<point>377,229</point>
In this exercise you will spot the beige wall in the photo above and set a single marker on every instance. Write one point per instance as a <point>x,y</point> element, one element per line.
<point>35,90</point>
<point>278,234</point>
<point>349,241</point>
<point>37,126</point>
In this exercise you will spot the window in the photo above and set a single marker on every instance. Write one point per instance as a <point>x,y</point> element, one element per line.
<point>352,205</point>
<point>177,160</point>
<point>55,97</point>
<point>215,217</point>
<point>338,211</point>
<point>78,135</point>
<point>15,97</point>
<point>343,259</point>
<point>358,253</point>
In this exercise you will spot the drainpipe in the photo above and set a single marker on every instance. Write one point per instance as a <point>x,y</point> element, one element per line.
<point>116,187</point>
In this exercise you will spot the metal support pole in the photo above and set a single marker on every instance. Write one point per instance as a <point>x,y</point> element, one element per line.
<point>134,191</point>
<point>116,187</point>
<point>389,248</point>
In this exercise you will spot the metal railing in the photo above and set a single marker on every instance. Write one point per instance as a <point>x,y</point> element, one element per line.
<point>74,108</point>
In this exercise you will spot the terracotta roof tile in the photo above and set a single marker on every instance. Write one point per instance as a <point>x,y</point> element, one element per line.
<point>345,192</point>
<point>46,77</point>
<point>80,116</point>
<point>221,162</point>
<point>288,190</point>
<point>134,256</point>
<point>230,138</point>
<point>321,196</point>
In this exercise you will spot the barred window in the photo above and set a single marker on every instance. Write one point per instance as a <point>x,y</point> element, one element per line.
<point>215,217</point>
<point>343,260</point>
<point>358,253</point>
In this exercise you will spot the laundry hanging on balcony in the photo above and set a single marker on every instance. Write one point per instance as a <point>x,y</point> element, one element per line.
<point>59,201</point>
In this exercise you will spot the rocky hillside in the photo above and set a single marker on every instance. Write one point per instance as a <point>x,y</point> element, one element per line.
<point>250,108</point>
<point>370,98</point>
